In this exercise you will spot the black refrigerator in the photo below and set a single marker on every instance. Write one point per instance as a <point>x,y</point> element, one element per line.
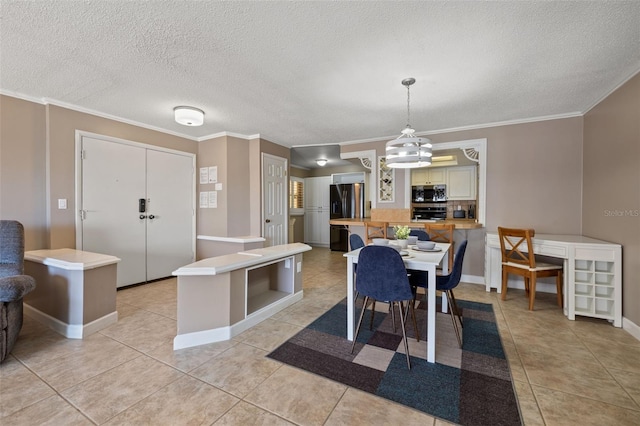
<point>347,201</point>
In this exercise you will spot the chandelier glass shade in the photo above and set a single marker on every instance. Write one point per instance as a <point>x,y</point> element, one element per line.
<point>407,150</point>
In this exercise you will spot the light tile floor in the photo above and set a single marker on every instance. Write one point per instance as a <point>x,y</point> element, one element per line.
<point>582,372</point>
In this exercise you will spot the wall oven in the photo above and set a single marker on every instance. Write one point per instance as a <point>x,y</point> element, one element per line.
<point>430,212</point>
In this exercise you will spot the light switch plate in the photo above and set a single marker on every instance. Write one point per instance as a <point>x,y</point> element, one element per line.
<point>62,203</point>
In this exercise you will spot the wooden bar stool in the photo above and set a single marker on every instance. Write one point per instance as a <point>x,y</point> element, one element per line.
<point>375,230</point>
<point>442,233</point>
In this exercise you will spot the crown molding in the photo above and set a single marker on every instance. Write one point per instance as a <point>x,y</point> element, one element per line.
<point>231,134</point>
<point>471,127</point>
<point>610,92</point>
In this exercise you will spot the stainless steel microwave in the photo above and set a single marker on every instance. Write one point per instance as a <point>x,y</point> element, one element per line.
<point>429,193</point>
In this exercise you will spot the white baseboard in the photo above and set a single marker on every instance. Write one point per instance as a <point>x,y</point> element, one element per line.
<point>472,279</point>
<point>70,331</point>
<point>631,328</point>
<point>219,334</point>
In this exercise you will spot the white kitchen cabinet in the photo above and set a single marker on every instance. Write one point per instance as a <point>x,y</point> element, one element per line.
<point>316,192</point>
<point>461,183</point>
<point>316,212</point>
<point>316,227</point>
<point>429,176</point>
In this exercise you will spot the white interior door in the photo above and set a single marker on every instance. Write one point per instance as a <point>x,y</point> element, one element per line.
<point>115,177</point>
<point>113,180</point>
<point>274,200</point>
<point>170,213</point>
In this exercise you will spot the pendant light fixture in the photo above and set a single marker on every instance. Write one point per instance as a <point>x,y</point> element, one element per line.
<point>408,151</point>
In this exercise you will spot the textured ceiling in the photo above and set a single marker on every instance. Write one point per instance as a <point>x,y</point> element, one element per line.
<point>304,73</point>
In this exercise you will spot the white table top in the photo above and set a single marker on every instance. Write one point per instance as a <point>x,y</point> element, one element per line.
<point>416,259</point>
<point>70,259</point>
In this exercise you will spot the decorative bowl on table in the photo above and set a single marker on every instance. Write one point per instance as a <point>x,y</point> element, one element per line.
<point>425,245</point>
<point>380,241</point>
<point>396,247</point>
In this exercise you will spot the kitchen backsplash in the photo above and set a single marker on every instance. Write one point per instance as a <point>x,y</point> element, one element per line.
<point>464,206</point>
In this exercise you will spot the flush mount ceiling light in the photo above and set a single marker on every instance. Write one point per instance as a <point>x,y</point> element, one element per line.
<point>321,162</point>
<point>408,151</point>
<point>188,116</point>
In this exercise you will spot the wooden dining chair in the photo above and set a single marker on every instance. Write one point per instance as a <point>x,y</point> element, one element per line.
<point>518,258</point>
<point>375,230</point>
<point>442,233</point>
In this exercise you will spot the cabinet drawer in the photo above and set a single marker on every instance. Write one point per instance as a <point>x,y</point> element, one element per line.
<point>551,250</point>
<point>595,254</point>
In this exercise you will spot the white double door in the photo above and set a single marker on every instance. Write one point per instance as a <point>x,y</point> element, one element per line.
<point>137,203</point>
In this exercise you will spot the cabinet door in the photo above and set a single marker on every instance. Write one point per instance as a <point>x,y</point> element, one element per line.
<point>428,176</point>
<point>461,183</point>
<point>419,176</point>
<point>323,227</point>
<point>316,192</point>
<point>437,176</point>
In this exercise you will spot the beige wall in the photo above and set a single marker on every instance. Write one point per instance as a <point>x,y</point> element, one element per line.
<point>611,180</point>
<point>23,167</point>
<point>213,222</point>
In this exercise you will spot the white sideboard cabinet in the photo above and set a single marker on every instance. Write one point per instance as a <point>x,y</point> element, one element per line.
<point>592,272</point>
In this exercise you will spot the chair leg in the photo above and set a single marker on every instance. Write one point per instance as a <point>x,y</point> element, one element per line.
<point>559,282</point>
<point>393,316</point>
<point>355,337</point>
<point>532,291</point>
<point>455,305</point>
<point>373,311</point>
<point>411,307</point>
<point>453,319</point>
<point>505,278</point>
<point>404,334</point>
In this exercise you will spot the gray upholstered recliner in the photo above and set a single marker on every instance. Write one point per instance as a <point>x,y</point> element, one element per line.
<point>13,284</point>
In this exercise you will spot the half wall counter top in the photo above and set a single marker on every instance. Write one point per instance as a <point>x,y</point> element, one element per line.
<point>459,223</point>
<point>244,259</point>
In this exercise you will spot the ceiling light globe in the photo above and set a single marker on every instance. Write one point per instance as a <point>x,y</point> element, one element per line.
<point>188,116</point>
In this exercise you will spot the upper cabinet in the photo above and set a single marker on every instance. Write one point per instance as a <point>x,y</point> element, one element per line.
<point>429,176</point>
<point>316,192</point>
<point>461,183</point>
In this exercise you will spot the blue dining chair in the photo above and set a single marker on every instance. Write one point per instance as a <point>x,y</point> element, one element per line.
<point>422,235</point>
<point>355,241</point>
<point>382,276</point>
<point>446,284</point>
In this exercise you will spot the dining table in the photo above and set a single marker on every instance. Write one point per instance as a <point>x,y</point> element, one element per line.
<point>415,259</point>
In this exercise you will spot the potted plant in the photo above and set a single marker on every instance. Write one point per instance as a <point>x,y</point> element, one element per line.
<point>401,233</point>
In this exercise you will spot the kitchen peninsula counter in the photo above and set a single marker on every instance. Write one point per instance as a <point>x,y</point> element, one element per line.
<point>459,223</point>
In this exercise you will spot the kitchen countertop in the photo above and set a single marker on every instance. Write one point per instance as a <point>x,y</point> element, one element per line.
<point>459,223</point>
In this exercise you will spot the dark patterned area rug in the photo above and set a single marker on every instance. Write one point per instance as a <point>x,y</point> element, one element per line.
<point>468,386</point>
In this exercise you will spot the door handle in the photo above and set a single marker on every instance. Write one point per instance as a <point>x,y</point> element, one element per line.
<point>143,216</point>
<point>151,217</point>
<point>268,220</point>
